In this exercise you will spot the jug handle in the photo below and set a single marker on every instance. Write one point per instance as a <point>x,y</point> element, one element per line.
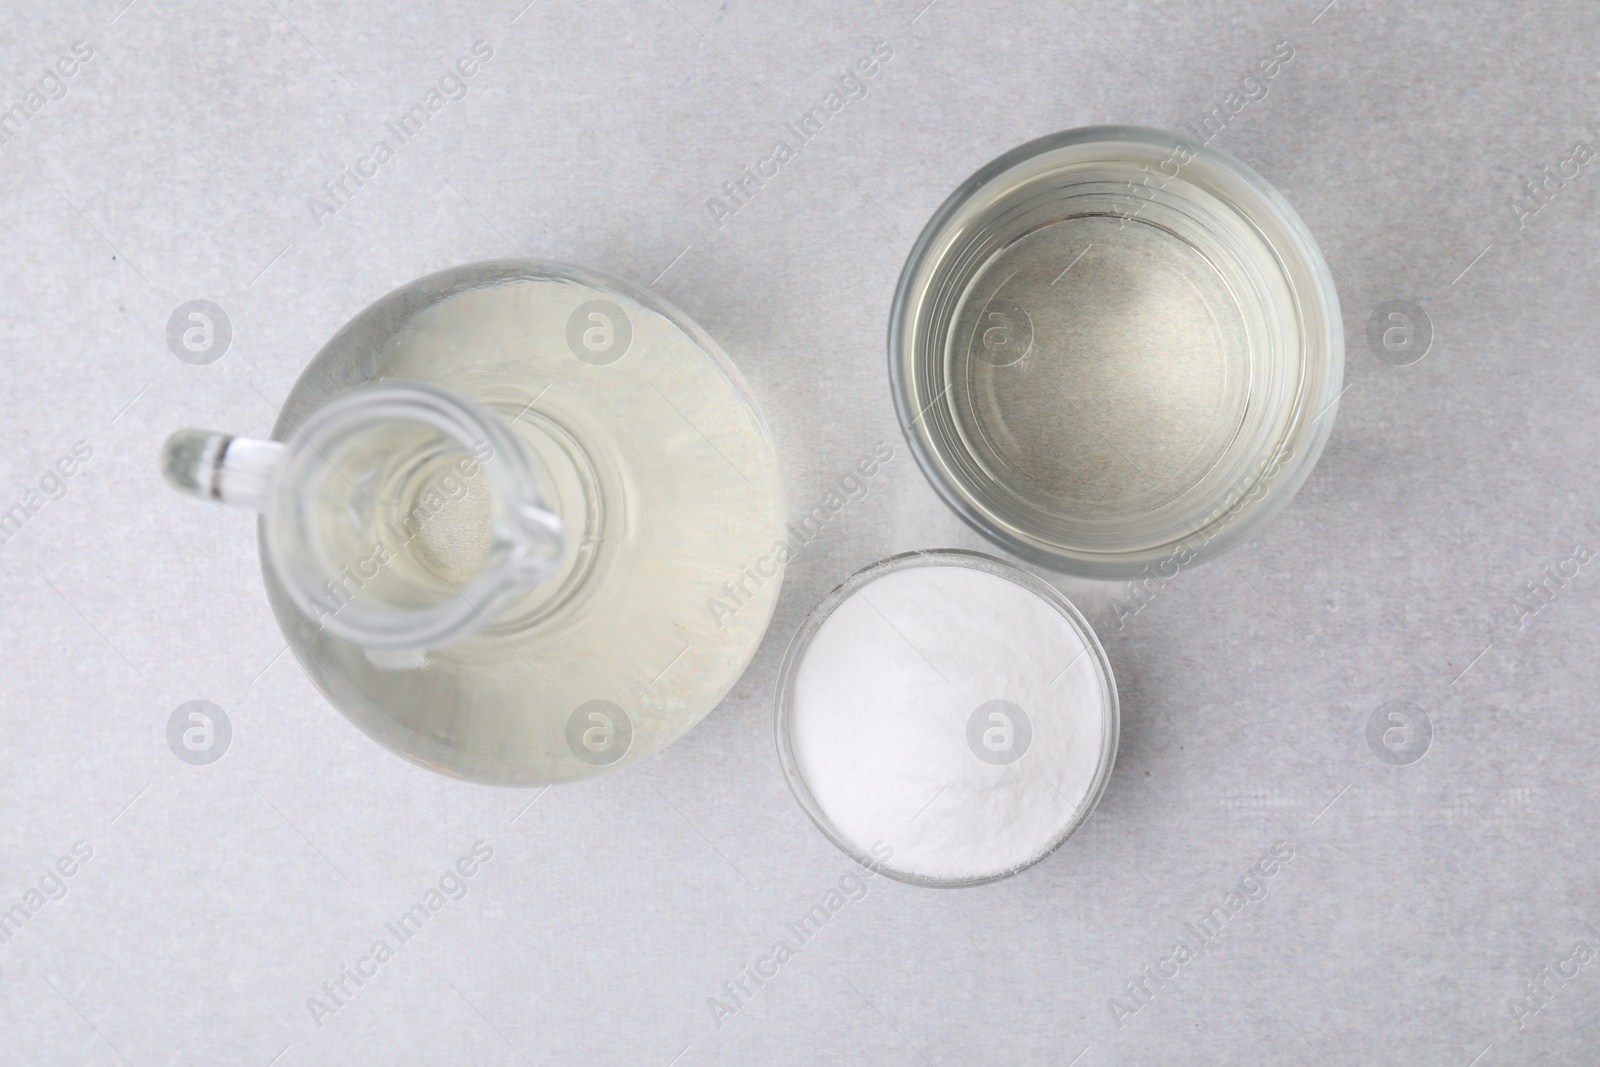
<point>222,467</point>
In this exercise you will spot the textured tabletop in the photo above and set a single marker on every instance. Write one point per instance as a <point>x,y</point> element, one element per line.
<point>1431,891</point>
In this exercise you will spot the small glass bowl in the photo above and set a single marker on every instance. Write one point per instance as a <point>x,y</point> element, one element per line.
<point>1182,383</point>
<point>783,705</point>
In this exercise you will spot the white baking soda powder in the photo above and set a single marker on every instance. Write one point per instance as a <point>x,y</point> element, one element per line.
<point>952,714</point>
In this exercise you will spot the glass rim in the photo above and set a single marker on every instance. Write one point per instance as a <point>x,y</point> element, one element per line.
<point>800,643</point>
<point>1315,304</point>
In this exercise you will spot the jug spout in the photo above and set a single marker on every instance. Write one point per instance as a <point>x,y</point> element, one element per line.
<point>222,467</point>
<point>401,516</point>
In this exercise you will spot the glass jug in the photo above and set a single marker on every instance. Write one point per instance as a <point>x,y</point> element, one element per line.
<point>520,522</point>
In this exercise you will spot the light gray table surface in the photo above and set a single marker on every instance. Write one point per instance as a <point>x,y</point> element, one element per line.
<point>1420,901</point>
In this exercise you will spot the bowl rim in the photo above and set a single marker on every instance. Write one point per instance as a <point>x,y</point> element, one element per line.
<point>799,644</point>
